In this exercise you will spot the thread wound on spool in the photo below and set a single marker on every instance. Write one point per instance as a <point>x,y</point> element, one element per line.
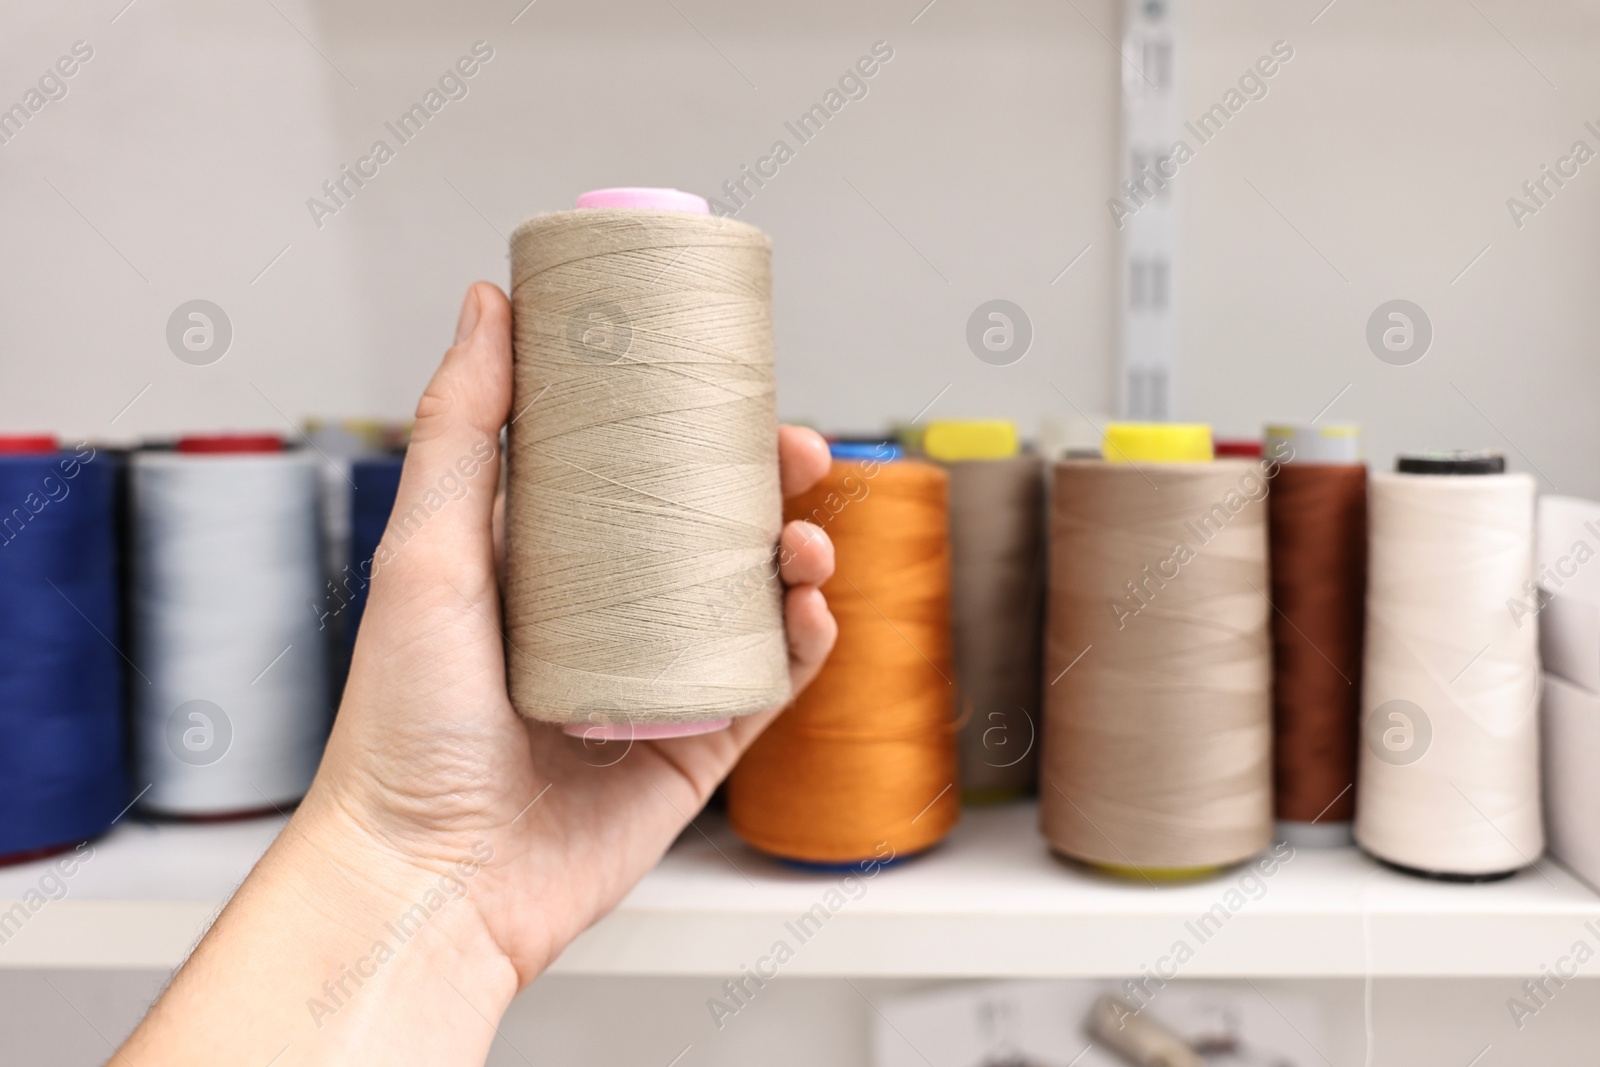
<point>1157,739</point>
<point>375,483</point>
<point>643,506</point>
<point>340,444</point>
<point>863,764</point>
<point>1318,534</point>
<point>61,687</point>
<point>1449,775</point>
<point>997,577</point>
<point>233,708</point>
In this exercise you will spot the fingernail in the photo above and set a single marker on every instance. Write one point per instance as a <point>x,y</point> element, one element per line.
<point>469,316</point>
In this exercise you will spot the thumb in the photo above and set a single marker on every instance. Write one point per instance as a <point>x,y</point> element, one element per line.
<point>443,510</point>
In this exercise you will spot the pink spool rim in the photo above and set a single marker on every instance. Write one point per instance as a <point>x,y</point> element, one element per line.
<point>643,199</point>
<point>643,731</point>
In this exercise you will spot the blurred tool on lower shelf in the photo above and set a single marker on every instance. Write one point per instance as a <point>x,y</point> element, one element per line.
<point>1137,1039</point>
<point>1143,1021</point>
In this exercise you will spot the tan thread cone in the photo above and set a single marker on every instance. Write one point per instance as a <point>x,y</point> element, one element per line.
<point>1158,741</point>
<point>997,580</point>
<point>642,500</point>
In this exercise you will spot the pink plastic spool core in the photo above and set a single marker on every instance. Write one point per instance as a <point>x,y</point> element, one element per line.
<point>644,200</point>
<point>643,731</point>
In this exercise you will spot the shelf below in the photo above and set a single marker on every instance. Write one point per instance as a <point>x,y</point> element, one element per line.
<point>991,901</point>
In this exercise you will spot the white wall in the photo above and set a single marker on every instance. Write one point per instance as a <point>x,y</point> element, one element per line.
<point>1389,145</point>
<point>1391,142</point>
<point>194,137</point>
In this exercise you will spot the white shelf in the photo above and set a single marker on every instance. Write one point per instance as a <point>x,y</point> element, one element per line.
<point>990,902</point>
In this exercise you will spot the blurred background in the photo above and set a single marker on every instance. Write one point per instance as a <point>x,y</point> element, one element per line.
<point>1379,165</point>
<point>978,166</point>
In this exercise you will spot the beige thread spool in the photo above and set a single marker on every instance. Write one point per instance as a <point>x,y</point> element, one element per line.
<point>1158,740</point>
<point>1449,781</point>
<point>997,580</point>
<point>643,506</point>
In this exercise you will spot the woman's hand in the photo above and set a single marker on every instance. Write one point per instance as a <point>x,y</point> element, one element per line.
<point>429,758</point>
<point>448,849</point>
